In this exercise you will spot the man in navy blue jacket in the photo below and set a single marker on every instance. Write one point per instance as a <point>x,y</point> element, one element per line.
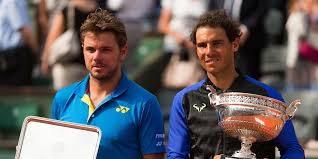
<point>194,130</point>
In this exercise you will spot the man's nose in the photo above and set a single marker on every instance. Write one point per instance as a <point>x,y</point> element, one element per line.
<point>97,55</point>
<point>210,49</point>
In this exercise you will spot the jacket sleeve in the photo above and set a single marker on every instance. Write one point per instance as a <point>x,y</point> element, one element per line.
<point>287,143</point>
<point>178,141</point>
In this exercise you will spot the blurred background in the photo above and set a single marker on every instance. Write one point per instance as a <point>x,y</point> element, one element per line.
<point>280,50</point>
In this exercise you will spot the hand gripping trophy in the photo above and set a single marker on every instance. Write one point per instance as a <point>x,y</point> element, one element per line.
<point>250,117</point>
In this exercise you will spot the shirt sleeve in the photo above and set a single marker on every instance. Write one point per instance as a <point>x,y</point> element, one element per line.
<point>18,14</point>
<point>178,140</point>
<point>55,108</point>
<point>115,4</point>
<point>151,128</point>
<point>287,143</point>
<point>166,4</point>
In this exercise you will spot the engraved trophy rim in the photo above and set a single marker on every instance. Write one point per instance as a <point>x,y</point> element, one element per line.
<point>249,99</point>
<point>253,95</point>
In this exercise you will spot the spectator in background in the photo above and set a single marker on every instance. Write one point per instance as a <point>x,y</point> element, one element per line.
<point>273,56</point>
<point>250,14</point>
<point>42,19</point>
<point>18,46</point>
<point>45,11</point>
<point>175,21</point>
<point>302,48</point>
<point>297,27</point>
<point>133,13</point>
<point>312,38</point>
<point>66,73</point>
<point>275,21</point>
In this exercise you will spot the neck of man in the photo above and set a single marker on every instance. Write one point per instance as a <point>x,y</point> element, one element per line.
<point>100,89</point>
<point>224,79</point>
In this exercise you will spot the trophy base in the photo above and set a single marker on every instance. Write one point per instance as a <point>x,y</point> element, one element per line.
<point>230,157</point>
<point>244,155</point>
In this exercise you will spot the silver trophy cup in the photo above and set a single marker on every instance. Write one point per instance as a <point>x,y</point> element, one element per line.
<point>250,117</point>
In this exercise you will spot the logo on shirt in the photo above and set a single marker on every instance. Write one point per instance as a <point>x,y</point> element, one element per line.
<point>159,143</point>
<point>199,108</point>
<point>160,137</point>
<point>122,109</point>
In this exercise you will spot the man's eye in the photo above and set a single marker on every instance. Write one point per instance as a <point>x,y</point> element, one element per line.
<point>201,45</point>
<point>91,50</point>
<point>217,43</point>
<point>105,49</point>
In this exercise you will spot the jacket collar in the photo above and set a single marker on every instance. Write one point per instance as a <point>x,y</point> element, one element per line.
<point>234,85</point>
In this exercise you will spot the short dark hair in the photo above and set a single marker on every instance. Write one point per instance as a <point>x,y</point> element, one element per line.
<point>217,18</point>
<point>103,21</point>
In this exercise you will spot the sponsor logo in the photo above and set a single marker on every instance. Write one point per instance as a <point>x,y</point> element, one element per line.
<point>160,139</point>
<point>160,143</point>
<point>122,109</point>
<point>199,108</point>
<point>160,136</point>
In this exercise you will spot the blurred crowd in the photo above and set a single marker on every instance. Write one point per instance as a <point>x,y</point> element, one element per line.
<point>277,46</point>
<point>28,29</point>
<point>301,61</point>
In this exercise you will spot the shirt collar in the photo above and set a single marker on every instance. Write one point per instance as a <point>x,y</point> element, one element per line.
<point>81,90</point>
<point>122,86</point>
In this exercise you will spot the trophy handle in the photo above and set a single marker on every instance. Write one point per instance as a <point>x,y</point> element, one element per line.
<point>291,109</point>
<point>213,97</point>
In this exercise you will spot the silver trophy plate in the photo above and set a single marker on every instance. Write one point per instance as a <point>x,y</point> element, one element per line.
<point>43,138</point>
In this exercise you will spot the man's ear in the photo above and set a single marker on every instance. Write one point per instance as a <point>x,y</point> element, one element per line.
<point>124,52</point>
<point>236,44</point>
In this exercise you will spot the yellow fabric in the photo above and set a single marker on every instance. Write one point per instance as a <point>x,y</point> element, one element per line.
<point>90,105</point>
